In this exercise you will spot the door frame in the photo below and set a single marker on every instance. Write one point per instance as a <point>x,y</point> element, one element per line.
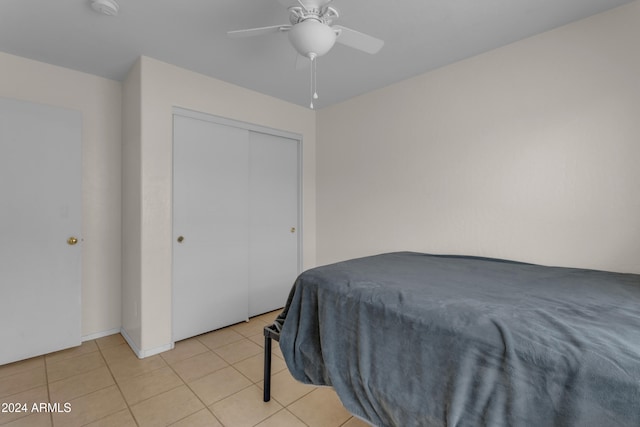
<point>183,112</point>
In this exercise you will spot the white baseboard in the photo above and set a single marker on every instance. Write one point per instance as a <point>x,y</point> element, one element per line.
<point>145,353</point>
<point>97,335</point>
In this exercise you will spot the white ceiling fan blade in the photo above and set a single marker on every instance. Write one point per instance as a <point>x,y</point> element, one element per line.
<point>258,31</point>
<point>358,40</point>
<point>304,6</point>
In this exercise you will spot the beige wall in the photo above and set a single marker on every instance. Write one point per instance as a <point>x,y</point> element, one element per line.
<point>131,206</point>
<point>528,152</point>
<point>162,87</point>
<point>99,101</point>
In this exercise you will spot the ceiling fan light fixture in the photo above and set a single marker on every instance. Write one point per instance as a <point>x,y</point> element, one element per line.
<point>312,38</point>
<point>312,34</point>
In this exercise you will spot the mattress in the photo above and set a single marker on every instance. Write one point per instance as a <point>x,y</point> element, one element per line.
<point>410,339</point>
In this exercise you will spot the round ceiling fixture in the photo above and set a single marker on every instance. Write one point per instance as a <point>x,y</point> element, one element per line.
<point>312,38</point>
<point>106,7</point>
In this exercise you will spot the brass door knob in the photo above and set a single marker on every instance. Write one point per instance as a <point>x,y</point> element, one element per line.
<point>180,239</point>
<point>72,241</point>
<point>293,229</point>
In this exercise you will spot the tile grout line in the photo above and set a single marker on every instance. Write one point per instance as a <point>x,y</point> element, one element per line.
<point>46,378</point>
<point>135,420</point>
<point>229,365</point>
<point>191,390</point>
<point>284,407</point>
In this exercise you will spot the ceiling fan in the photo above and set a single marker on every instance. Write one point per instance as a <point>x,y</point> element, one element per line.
<point>312,34</point>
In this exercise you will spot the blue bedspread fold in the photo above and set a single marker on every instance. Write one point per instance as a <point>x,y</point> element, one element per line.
<point>409,339</point>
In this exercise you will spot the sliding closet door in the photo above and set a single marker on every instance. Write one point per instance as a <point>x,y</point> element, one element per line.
<point>236,225</point>
<point>41,222</point>
<point>210,234</point>
<point>273,228</point>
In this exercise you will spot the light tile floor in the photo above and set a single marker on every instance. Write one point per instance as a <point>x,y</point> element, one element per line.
<point>213,380</point>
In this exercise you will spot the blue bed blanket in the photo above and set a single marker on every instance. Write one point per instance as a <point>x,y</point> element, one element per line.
<point>409,339</point>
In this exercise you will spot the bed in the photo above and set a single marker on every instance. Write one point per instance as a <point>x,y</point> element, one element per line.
<point>410,339</point>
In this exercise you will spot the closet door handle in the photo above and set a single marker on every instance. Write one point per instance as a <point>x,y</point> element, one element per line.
<point>180,239</point>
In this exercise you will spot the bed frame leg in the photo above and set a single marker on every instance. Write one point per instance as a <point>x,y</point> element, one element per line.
<point>267,368</point>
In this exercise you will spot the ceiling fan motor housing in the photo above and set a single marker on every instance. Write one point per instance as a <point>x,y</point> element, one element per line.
<point>312,38</point>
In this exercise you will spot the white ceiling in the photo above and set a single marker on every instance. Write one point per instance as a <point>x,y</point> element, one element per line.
<point>419,35</point>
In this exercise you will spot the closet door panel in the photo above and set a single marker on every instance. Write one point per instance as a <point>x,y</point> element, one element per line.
<point>210,216</point>
<point>273,220</point>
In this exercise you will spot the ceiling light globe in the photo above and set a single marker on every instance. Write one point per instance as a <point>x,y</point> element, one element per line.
<point>312,38</point>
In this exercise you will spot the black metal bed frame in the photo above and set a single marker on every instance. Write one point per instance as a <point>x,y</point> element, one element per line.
<point>270,334</point>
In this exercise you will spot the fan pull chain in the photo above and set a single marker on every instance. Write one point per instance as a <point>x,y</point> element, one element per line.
<point>311,85</point>
<point>314,80</point>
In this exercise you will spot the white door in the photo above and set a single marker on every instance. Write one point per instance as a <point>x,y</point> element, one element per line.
<point>210,234</point>
<point>274,228</point>
<point>40,187</point>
